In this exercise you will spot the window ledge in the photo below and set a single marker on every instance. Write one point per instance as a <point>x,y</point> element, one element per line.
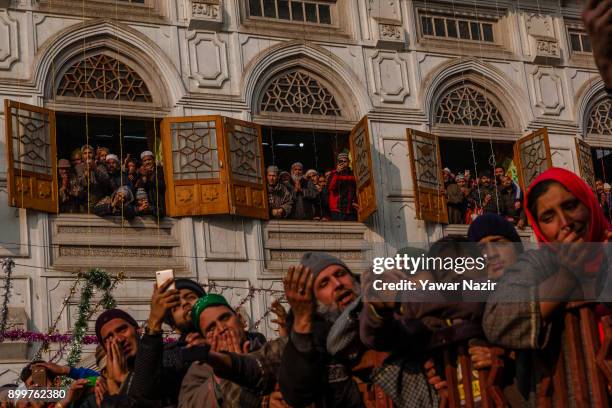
<point>285,241</point>
<point>81,241</point>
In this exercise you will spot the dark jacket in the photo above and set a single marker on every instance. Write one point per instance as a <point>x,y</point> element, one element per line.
<point>155,186</point>
<point>477,199</point>
<point>309,374</point>
<point>303,200</point>
<point>457,204</point>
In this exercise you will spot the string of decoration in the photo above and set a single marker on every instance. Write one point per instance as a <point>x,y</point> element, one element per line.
<point>95,278</point>
<point>7,266</point>
<point>54,338</point>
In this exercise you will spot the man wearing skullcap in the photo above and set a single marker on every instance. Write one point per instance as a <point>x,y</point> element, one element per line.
<point>303,193</point>
<point>249,367</point>
<point>279,197</point>
<point>342,191</point>
<point>113,167</point>
<point>151,179</point>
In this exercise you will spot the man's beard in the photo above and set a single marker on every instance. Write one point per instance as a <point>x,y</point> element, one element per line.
<point>295,177</point>
<point>330,313</point>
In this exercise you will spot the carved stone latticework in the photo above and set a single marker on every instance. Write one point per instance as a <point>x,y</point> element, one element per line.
<point>206,14</point>
<point>103,77</point>
<point>600,119</point>
<point>467,105</point>
<point>300,93</point>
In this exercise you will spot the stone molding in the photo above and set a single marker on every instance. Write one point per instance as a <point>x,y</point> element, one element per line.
<point>206,14</point>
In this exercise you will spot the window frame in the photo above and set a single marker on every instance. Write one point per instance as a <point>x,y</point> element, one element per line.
<point>332,12</point>
<point>582,59</point>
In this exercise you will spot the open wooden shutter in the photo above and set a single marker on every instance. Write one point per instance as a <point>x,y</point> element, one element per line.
<point>32,157</point>
<point>248,195</point>
<point>361,158</point>
<point>585,162</point>
<point>532,156</point>
<point>194,166</point>
<point>429,196</point>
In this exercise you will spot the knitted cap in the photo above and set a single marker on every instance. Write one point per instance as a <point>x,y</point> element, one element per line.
<point>317,261</point>
<point>343,156</point>
<point>141,193</point>
<point>109,315</point>
<point>183,283</point>
<point>63,164</point>
<point>212,299</point>
<point>490,224</point>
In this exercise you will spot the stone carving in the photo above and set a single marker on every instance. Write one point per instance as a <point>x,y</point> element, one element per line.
<point>600,119</point>
<point>390,77</point>
<point>72,229</point>
<point>390,36</point>
<point>209,60</point>
<point>548,91</point>
<point>320,236</point>
<point>206,14</point>
<point>384,10</point>
<point>114,252</point>
<point>468,105</point>
<point>544,43</point>
<point>9,43</point>
<point>290,255</point>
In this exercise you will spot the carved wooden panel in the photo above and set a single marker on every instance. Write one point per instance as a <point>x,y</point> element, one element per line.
<point>194,159</point>
<point>532,154</point>
<point>362,168</point>
<point>248,194</point>
<point>585,162</point>
<point>430,200</point>
<point>30,141</point>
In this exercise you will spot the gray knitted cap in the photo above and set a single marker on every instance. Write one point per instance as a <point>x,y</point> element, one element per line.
<point>317,261</point>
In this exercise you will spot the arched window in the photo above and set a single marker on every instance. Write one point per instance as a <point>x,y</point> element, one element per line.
<point>103,77</point>
<point>600,119</point>
<point>468,105</point>
<point>299,92</point>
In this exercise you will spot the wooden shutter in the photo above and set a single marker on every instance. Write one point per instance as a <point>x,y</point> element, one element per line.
<point>361,157</point>
<point>532,156</point>
<point>430,199</point>
<point>196,183</point>
<point>32,158</point>
<point>585,162</point>
<point>248,195</point>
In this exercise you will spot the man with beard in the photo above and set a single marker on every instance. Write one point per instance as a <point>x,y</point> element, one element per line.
<point>69,189</point>
<point>278,195</point>
<point>152,180</point>
<point>303,193</point>
<point>323,328</point>
<point>92,178</point>
<point>159,368</point>
<point>114,171</point>
<point>456,197</point>
<point>485,195</point>
<point>508,193</point>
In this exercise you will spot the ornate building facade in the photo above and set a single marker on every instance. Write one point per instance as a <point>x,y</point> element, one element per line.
<point>203,80</point>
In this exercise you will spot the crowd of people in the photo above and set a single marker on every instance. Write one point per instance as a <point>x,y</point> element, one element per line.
<point>99,182</point>
<point>336,320</point>
<point>468,197</point>
<point>313,196</point>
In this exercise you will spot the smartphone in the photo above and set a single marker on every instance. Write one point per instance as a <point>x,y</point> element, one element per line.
<point>39,376</point>
<point>163,276</point>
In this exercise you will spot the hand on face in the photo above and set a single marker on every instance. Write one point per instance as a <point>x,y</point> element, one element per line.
<point>116,363</point>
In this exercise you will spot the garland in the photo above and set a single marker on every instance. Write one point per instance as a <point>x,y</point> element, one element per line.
<point>98,279</point>
<point>50,338</point>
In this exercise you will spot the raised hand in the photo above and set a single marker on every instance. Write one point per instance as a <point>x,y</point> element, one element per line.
<point>298,284</point>
<point>162,300</point>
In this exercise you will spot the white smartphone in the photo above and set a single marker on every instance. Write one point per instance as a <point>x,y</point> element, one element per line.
<point>163,276</point>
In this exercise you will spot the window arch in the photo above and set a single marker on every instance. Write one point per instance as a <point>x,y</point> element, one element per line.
<point>599,121</point>
<point>299,92</point>
<point>101,76</point>
<point>468,105</point>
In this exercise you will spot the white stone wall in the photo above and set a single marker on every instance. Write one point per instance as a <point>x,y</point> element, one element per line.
<point>206,57</point>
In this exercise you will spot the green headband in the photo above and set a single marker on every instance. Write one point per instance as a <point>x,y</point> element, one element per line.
<point>211,299</point>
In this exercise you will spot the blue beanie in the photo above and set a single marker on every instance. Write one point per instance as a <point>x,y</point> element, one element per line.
<point>492,224</point>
